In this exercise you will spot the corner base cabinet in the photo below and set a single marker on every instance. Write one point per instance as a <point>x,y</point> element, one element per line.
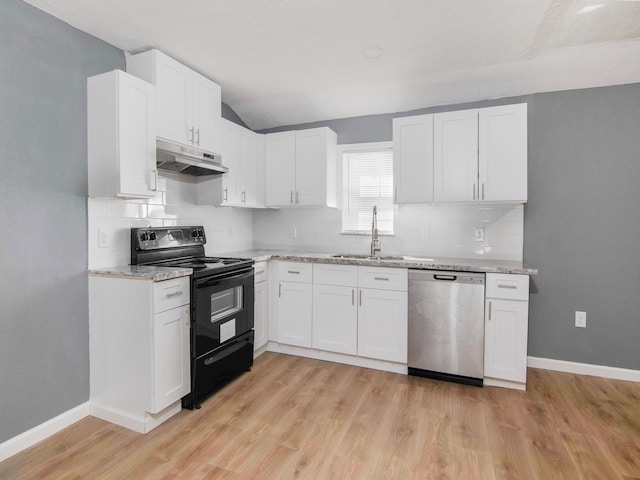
<point>139,349</point>
<point>506,328</point>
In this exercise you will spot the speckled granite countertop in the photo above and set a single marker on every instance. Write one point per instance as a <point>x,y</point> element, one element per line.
<point>155,274</point>
<point>406,261</point>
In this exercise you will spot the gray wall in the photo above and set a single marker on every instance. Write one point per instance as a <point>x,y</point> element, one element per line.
<point>44,329</point>
<point>582,225</point>
<point>581,222</point>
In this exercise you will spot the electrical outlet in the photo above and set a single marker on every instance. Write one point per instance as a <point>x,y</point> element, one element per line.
<point>103,238</point>
<point>478,234</point>
<point>581,319</point>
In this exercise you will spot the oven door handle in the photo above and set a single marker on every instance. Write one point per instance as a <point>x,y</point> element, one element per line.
<point>205,282</point>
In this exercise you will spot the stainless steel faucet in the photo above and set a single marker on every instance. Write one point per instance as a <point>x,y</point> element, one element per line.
<point>376,248</point>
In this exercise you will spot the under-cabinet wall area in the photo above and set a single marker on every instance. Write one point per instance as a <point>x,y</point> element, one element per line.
<point>110,220</point>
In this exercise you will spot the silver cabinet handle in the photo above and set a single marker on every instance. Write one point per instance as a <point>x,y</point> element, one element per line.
<point>360,297</point>
<point>489,311</point>
<point>483,191</point>
<point>353,297</point>
<point>474,191</point>
<point>295,272</point>
<point>291,198</point>
<point>297,197</point>
<point>198,134</point>
<point>259,272</point>
<point>226,194</point>
<point>191,130</point>
<point>381,278</point>
<point>244,196</point>
<point>512,287</point>
<point>153,180</point>
<point>395,194</point>
<point>279,290</point>
<point>174,294</point>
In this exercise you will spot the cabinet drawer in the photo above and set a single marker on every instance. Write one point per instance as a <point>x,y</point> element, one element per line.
<point>510,287</point>
<point>383,278</point>
<point>295,272</point>
<point>341,275</point>
<point>260,272</point>
<point>170,294</point>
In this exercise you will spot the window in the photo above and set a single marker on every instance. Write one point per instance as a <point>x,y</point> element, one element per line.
<point>367,182</point>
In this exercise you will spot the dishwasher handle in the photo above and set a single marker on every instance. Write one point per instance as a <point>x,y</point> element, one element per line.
<point>448,278</point>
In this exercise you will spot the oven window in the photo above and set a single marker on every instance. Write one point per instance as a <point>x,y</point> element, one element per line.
<point>226,302</point>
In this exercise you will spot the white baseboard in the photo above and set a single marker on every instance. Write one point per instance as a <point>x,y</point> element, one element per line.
<point>143,423</point>
<point>44,430</point>
<point>614,373</point>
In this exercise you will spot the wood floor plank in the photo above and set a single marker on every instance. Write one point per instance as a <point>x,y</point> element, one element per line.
<point>298,418</point>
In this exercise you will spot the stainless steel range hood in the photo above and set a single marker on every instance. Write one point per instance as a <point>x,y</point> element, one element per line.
<point>174,157</point>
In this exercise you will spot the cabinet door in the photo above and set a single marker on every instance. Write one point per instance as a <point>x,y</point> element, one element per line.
<point>230,151</point>
<point>136,137</point>
<point>505,354</point>
<point>382,324</point>
<point>335,319</point>
<point>455,156</point>
<point>503,153</point>
<point>247,176</point>
<point>311,167</point>
<point>413,159</point>
<point>281,168</point>
<point>260,315</point>
<point>173,82</point>
<point>206,113</point>
<point>294,313</point>
<point>171,368</point>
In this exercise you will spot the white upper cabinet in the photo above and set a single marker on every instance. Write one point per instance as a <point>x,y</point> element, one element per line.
<point>455,156</point>
<point>301,168</point>
<point>281,168</point>
<point>189,105</point>
<point>243,185</point>
<point>464,156</point>
<point>481,155</point>
<point>502,157</point>
<point>121,132</point>
<point>413,159</point>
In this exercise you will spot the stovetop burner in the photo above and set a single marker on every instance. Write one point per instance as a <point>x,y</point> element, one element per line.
<point>181,247</point>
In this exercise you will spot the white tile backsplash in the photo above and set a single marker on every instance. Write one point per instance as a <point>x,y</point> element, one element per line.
<point>424,230</point>
<point>228,229</point>
<point>427,230</point>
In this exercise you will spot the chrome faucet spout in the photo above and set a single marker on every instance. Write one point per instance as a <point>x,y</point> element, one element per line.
<point>376,248</point>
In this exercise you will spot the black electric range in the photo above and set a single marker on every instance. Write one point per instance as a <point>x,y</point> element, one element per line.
<point>222,303</point>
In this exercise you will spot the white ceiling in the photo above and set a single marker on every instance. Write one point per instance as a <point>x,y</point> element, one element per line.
<point>283,62</point>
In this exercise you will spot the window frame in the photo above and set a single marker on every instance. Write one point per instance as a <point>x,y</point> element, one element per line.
<point>357,147</point>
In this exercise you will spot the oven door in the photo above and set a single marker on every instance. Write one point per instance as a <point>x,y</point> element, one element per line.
<point>223,307</point>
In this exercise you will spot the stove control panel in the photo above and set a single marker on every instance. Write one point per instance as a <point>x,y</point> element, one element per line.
<point>154,238</point>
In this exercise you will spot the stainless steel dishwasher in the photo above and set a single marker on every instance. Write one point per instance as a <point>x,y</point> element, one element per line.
<point>446,325</point>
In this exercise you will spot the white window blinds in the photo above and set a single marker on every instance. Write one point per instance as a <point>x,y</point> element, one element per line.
<point>367,182</point>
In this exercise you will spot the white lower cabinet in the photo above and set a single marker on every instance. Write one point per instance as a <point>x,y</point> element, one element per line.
<point>345,309</point>
<point>260,311</point>
<point>139,333</point>
<point>382,324</point>
<point>335,319</point>
<point>294,307</point>
<point>506,328</point>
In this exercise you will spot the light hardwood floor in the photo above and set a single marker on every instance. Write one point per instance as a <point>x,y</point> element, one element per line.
<point>293,417</point>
